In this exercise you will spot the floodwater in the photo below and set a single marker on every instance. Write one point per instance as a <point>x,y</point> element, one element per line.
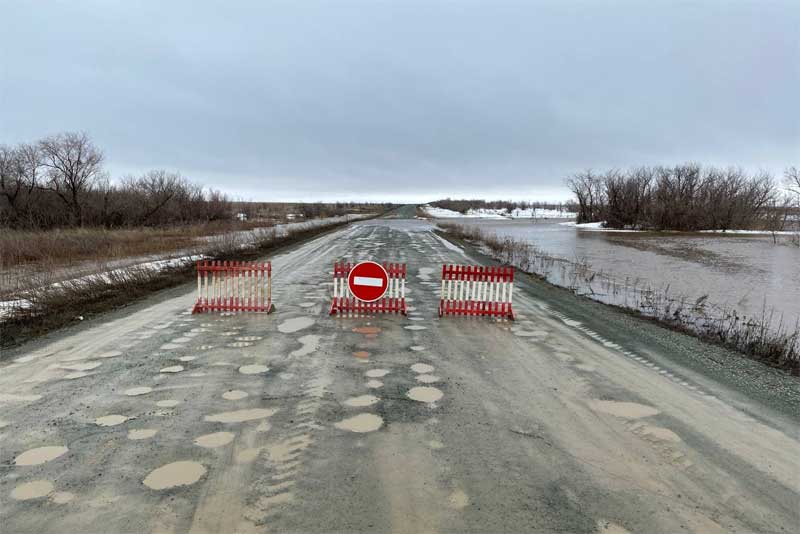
<point>743,273</point>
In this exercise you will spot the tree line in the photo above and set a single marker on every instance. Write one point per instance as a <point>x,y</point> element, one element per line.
<point>59,181</point>
<point>685,197</point>
<point>464,205</point>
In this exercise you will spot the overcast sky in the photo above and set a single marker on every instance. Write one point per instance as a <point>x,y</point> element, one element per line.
<point>403,100</point>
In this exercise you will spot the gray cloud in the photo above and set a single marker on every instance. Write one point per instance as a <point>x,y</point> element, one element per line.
<point>405,100</point>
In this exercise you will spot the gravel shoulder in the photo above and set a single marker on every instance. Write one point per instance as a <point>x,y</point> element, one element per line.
<point>574,418</point>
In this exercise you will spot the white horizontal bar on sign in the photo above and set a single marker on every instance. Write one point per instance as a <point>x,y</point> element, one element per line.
<point>367,281</point>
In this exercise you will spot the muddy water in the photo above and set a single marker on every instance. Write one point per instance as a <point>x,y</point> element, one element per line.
<point>175,474</point>
<point>739,272</point>
<point>365,422</point>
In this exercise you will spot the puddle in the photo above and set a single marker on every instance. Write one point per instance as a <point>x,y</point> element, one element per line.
<point>428,379</point>
<point>363,400</point>
<point>417,348</point>
<point>416,319</point>
<point>425,273</point>
<point>62,497</point>
<point>172,369</point>
<point>368,330</point>
<point>377,373</point>
<point>306,304</point>
<point>239,344</point>
<point>458,500</point>
<point>253,369</point>
<point>133,392</point>
<point>422,368</point>
<point>168,403</point>
<point>88,366</point>
<point>76,375</point>
<point>415,327</point>
<point>182,340</point>
<point>170,346</point>
<point>627,410</point>
<point>174,475</point>
<point>234,394</point>
<point>212,441</point>
<point>424,394</point>
<point>110,420</point>
<point>142,433</point>
<point>249,338</point>
<point>205,347</point>
<point>187,358</point>
<point>374,384</point>
<point>40,455</point>
<point>361,354</point>
<point>110,354</point>
<point>240,416</point>
<point>247,456</point>
<point>309,343</point>
<point>365,422</point>
<point>293,325</point>
<point>32,490</point>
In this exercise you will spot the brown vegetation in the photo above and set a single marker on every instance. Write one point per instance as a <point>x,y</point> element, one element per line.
<point>45,306</point>
<point>59,182</point>
<point>685,198</point>
<point>757,338</point>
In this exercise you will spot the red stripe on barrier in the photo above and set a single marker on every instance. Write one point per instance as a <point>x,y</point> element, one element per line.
<point>476,291</point>
<point>394,301</point>
<point>233,286</point>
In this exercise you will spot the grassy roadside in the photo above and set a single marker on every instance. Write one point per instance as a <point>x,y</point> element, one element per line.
<point>754,340</point>
<point>69,303</point>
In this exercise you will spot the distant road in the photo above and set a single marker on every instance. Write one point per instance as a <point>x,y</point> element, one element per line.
<point>574,418</point>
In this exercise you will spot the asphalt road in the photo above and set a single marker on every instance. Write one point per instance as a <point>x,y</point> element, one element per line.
<point>574,418</point>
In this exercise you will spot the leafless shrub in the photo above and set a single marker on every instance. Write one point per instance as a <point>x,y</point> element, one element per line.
<point>685,197</point>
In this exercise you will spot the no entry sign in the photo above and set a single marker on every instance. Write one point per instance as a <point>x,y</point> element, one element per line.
<point>368,281</point>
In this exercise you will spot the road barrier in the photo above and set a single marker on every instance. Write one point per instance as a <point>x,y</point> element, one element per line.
<point>468,290</point>
<point>233,286</point>
<point>393,299</point>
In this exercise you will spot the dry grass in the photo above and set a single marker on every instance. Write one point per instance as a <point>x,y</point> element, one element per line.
<point>70,246</point>
<point>761,338</point>
<point>50,306</point>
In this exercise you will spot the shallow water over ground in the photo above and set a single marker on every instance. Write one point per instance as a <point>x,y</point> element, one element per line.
<point>746,273</point>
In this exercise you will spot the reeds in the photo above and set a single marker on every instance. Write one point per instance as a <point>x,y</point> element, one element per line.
<point>766,338</point>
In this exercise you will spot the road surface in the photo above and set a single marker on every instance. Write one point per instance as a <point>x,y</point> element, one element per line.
<point>574,418</point>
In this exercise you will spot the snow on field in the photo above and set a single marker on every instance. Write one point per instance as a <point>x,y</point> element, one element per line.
<point>491,213</point>
<point>595,227</point>
<point>246,239</point>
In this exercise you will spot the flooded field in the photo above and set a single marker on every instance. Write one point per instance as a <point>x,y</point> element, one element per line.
<point>745,273</point>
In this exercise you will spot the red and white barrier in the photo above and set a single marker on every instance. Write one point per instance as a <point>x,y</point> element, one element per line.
<point>392,301</point>
<point>233,286</point>
<point>468,290</point>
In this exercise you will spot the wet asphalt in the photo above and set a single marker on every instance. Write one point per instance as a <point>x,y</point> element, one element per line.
<point>574,418</point>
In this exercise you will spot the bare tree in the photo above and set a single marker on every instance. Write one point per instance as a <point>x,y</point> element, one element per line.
<point>791,178</point>
<point>73,164</point>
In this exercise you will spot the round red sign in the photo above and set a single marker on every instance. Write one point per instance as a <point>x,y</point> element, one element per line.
<point>368,281</point>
